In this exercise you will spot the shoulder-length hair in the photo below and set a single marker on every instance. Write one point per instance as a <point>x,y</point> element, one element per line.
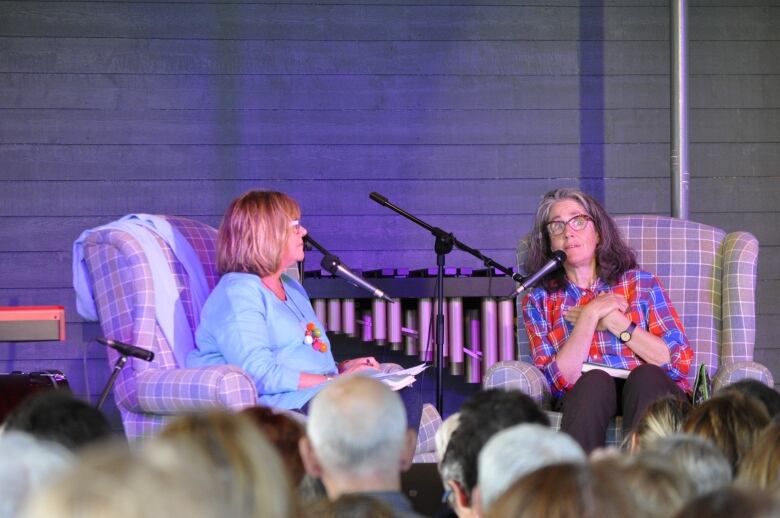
<point>613,256</point>
<point>254,232</point>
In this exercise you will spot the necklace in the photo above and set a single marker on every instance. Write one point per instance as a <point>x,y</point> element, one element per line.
<point>312,335</point>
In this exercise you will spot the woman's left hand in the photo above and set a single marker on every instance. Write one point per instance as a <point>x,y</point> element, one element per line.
<point>573,314</point>
<point>358,364</point>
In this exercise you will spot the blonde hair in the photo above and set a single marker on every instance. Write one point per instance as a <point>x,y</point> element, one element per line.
<point>662,418</point>
<point>111,480</point>
<point>656,488</point>
<point>731,421</point>
<point>249,473</point>
<point>254,232</point>
<point>561,490</point>
<point>761,467</point>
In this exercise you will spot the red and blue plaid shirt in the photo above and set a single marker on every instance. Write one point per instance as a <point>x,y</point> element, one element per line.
<point>649,307</point>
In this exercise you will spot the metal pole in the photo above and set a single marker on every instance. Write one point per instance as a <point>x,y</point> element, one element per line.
<point>678,40</point>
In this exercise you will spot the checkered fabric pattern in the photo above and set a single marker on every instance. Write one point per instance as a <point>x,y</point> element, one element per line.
<point>148,393</point>
<point>426,435</point>
<point>521,376</point>
<point>710,277</point>
<point>430,421</point>
<point>614,430</point>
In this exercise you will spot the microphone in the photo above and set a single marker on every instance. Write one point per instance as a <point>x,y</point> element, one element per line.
<point>332,264</point>
<point>127,349</point>
<point>558,258</point>
<point>378,198</point>
<point>309,243</point>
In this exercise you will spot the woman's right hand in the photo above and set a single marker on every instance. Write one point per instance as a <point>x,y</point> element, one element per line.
<point>605,304</point>
<point>358,364</point>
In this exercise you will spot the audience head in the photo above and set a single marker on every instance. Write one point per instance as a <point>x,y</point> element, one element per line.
<point>752,387</point>
<point>245,465</point>
<point>353,505</point>
<point>513,453</point>
<point>697,457</point>
<point>496,409</point>
<point>443,434</point>
<point>481,416</point>
<point>731,421</point>
<point>284,432</point>
<point>732,501</point>
<point>661,418</point>
<point>27,464</point>
<point>656,488</point>
<point>168,480</point>
<point>254,232</point>
<point>356,436</point>
<point>564,490</point>
<point>760,469</point>
<point>58,416</point>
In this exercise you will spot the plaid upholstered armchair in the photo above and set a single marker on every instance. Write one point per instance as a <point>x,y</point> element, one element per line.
<point>122,263</point>
<point>121,276</point>
<point>710,277</point>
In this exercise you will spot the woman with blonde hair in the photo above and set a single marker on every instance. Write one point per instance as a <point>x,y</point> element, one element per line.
<point>111,481</point>
<point>258,317</point>
<point>563,491</point>
<point>664,417</point>
<point>732,422</point>
<point>247,470</point>
<point>760,469</point>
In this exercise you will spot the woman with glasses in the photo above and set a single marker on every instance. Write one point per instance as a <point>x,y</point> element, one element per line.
<point>599,311</point>
<point>259,318</point>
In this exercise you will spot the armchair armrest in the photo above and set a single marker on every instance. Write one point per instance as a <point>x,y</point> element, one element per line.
<point>740,263</point>
<point>517,375</point>
<point>430,422</point>
<point>729,373</point>
<point>178,391</point>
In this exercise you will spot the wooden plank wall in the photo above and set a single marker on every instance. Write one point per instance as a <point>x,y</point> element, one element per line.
<point>462,112</point>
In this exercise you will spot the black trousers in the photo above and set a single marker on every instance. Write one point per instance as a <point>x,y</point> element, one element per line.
<point>597,397</point>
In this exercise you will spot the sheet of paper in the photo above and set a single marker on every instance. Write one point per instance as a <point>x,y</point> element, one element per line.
<point>411,371</point>
<point>400,379</point>
<point>615,373</point>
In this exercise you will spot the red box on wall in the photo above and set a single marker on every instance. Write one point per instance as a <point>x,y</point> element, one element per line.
<point>32,323</point>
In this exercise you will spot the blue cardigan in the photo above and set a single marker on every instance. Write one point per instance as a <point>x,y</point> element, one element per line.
<point>243,323</point>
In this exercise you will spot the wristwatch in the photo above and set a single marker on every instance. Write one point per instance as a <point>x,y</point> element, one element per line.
<point>626,335</point>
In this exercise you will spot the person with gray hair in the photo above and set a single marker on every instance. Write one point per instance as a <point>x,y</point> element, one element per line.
<point>444,433</point>
<point>517,451</point>
<point>165,478</point>
<point>27,465</point>
<point>695,456</point>
<point>357,441</point>
<point>481,416</point>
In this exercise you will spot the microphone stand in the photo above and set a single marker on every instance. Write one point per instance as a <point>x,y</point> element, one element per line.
<point>333,264</point>
<point>120,363</point>
<point>445,241</point>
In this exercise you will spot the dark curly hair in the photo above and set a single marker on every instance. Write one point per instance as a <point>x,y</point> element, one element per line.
<point>613,256</point>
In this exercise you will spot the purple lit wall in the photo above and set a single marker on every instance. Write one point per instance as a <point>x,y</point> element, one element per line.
<point>462,114</point>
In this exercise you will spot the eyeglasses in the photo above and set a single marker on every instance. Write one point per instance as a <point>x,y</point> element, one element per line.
<point>296,225</point>
<point>578,222</point>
